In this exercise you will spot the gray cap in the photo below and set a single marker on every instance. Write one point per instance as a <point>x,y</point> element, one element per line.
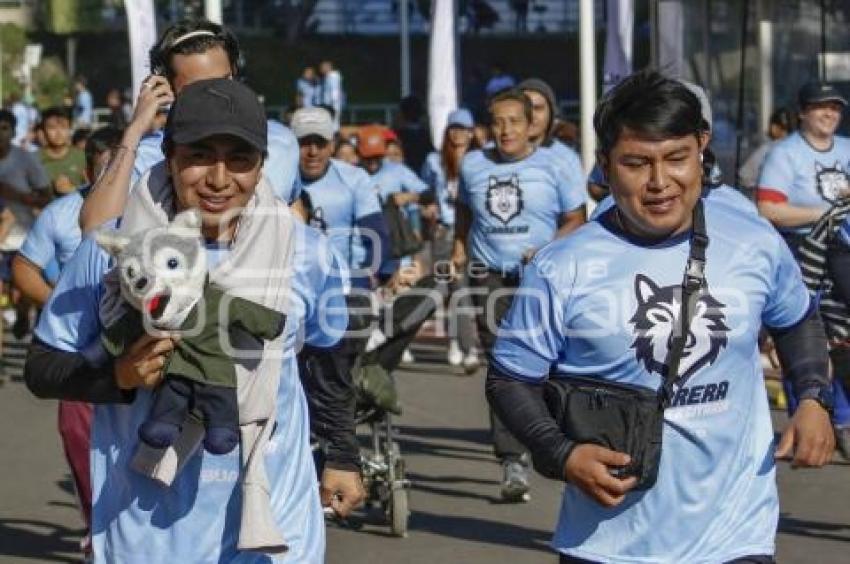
<point>312,121</point>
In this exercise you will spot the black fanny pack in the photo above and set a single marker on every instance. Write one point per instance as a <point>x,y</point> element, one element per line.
<point>629,418</point>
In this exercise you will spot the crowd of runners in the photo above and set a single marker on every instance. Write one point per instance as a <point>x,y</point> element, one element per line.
<point>497,239</point>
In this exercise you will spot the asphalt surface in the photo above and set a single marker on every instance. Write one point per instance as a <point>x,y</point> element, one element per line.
<point>457,515</point>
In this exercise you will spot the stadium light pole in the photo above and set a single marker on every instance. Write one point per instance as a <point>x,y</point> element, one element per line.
<point>587,73</point>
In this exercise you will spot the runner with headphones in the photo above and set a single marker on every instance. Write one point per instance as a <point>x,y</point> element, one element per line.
<point>186,52</point>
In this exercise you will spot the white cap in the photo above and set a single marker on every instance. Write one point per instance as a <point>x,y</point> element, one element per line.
<point>312,121</point>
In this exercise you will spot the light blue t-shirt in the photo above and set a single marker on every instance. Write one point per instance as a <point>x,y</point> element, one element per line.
<point>446,192</point>
<point>280,167</point>
<point>570,162</point>
<point>797,173</point>
<point>56,234</point>
<point>395,177</point>
<point>515,205</point>
<point>197,518</point>
<point>600,304</point>
<point>342,196</point>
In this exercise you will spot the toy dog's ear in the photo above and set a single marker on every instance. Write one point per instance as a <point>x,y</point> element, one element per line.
<point>189,219</point>
<point>111,241</point>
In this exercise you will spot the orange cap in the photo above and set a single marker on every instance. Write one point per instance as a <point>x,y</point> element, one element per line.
<point>371,141</point>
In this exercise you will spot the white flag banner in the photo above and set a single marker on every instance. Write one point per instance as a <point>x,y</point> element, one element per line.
<point>442,68</point>
<point>141,23</point>
<point>618,42</point>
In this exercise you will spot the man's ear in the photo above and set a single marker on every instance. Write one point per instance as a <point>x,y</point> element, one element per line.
<point>703,140</point>
<point>110,241</point>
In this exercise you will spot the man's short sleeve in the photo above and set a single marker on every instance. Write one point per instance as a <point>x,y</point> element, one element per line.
<point>328,321</point>
<point>70,320</point>
<point>411,182</point>
<point>532,333</point>
<point>36,175</point>
<point>572,185</point>
<point>39,247</point>
<point>777,175</point>
<point>788,300</point>
<point>365,200</point>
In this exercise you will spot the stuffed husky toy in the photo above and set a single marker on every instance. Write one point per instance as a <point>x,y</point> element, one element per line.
<point>163,277</point>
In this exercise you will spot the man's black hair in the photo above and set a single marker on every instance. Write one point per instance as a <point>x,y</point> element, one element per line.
<point>8,117</point>
<point>104,139</point>
<point>650,104</point>
<point>54,111</point>
<point>162,52</point>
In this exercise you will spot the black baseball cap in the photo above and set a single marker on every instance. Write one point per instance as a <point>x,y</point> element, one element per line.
<point>814,92</point>
<point>214,107</point>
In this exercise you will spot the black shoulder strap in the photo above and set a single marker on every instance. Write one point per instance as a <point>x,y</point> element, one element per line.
<point>692,284</point>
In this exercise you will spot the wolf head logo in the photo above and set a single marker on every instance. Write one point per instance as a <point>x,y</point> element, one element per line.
<point>657,314</point>
<point>504,198</point>
<point>831,181</point>
<point>162,270</point>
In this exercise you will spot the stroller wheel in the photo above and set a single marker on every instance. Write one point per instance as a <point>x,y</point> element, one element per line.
<point>399,511</point>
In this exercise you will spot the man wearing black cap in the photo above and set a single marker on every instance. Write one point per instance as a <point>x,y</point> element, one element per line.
<point>801,177</point>
<point>215,144</point>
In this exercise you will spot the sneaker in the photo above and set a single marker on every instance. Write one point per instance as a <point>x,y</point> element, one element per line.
<point>514,481</point>
<point>471,362</point>
<point>407,357</point>
<point>842,441</point>
<point>455,356</point>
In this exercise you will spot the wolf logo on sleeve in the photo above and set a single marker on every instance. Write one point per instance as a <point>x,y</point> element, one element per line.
<point>831,181</point>
<point>504,198</point>
<point>657,314</point>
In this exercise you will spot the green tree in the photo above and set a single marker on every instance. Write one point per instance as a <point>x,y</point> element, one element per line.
<point>13,39</point>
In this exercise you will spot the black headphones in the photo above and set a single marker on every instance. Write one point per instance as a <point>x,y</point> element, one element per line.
<point>188,30</point>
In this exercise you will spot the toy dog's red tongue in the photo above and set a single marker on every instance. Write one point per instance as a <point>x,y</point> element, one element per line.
<point>153,304</point>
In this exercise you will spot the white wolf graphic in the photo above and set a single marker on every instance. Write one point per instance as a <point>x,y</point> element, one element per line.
<point>831,181</point>
<point>504,198</point>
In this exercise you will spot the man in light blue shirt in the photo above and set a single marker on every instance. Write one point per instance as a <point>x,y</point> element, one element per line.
<point>715,497</point>
<point>186,52</point>
<point>340,199</point>
<point>134,518</point>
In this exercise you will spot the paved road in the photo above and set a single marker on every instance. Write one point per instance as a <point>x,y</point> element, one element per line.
<point>457,516</point>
